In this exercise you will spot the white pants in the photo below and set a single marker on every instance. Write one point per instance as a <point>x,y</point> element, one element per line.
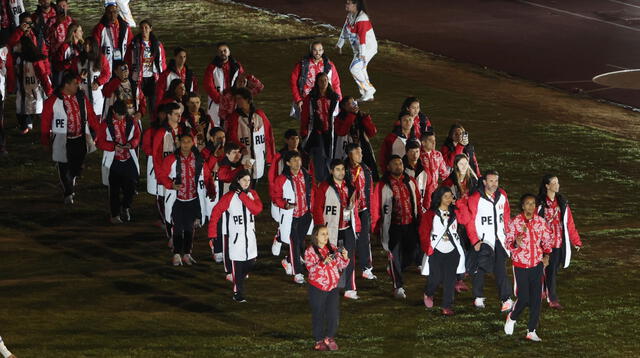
<point>358,70</point>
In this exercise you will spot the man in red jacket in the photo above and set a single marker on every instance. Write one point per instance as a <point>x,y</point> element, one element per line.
<point>113,34</point>
<point>220,75</point>
<point>489,217</point>
<point>303,76</point>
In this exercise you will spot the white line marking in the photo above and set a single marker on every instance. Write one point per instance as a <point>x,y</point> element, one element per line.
<point>561,82</point>
<point>578,15</point>
<point>620,67</point>
<point>624,3</point>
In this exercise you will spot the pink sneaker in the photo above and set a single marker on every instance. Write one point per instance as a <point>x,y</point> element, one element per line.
<point>320,346</point>
<point>428,301</point>
<point>331,343</point>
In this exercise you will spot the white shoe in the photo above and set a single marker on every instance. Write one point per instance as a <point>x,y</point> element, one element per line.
<point>218,257</point>
<point>479,302</point>
<point>533,336</point>
<point>188,260</point>
<point>399,293</point>
<point>507,305</point>
<point>287,267</point>
<point>367,96</point>
<point>68,199</point>
<point>177,260</point>
<point>229,277</point>
<point>368,274</point>
<point>275,247</point>
<point>351,294</point>
<point>509,325</point>
<point>298,278</point>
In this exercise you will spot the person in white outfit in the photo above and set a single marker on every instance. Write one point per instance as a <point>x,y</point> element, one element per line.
<point>358,30</point>
<point>5,351</point>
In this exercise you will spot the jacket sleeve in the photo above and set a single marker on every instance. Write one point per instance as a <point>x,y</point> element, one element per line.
<point>376,215</point>
<point>335,81</point>
<point>304,117</point>
<point>163,58</point>
<point>91,116</point>
<point>254,85</point>
<point>369,127</point>
<point>510,238</point>
<point>293,83</point>
<point>385,151</point>
<point>273,170</point>
<point>473,212</point>
<point>318,204</point>
<point>270,142</point>
<point>11,74</point>
<point>157,150</point>
<point>110,87</point>
<point>97,36</point>
<point>162,176</point>
<point>135,141</point>
<point>546,241</point>
<point>46,118</point>
<point>426,225</point>
<point>344,34</point>
<point>362,27</point>
<point>227,173</point>
<point>105,71</point>
<point>442,168</point>
<point>40,68</point>
<point>375,206</point>
<point>101,139</point>
<point>161,87</point>
<point>507,212</point>
<point>254,205</point>
<point>574,237</point>
<point>216,213</point>
<point>277,192</point>
<point>209,84</point>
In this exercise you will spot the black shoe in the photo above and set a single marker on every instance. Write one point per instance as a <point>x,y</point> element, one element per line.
<point>238,297</point>
<point>126,215</point>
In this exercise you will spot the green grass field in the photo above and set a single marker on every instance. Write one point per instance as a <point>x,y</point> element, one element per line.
<point>72,285</point>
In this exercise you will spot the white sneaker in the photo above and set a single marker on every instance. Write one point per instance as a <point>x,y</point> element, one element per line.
<point>68,199</point>
<point>177,260</point>
<point>229,277</point>
<point>188,260</point>
<point>399,293</point>
<point>218,257</point>
<point>507,305</point>
<point>509,325</point>
<point>275,247</point>
<point>287,267</point>
<point>533,336</point>
<point>368,274</point>
<point>298,278</point>
<point>479,302</point>
<point>351,294</point>
<point>367,96</point>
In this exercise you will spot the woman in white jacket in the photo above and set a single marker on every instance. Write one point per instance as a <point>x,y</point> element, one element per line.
<point>358,31</point>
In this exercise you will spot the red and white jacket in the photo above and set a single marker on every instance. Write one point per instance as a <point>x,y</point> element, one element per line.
<point>450,155</point>
<point>99,75</point>
<point>435,170</point>
<point>284,191</point>
<point>559,218</point>
<point>300,87</point>
<point>255,137</point>
<point>237,211</point>
<point>393,144</point>
<point>228,101</point>
<point>57,33</point>
<point>347,127</point>
<point>438,234</point>
<point>359,32</point>
<point>323,276</point>
<point>113,39</point>
<point>170,74</point>
<point>536,240</point>
<point>107,137</point>
<point>385,200</point>
<point>217,78</point>
<point>330,210</point>
<point>135,58</point>
<point>489,218</point>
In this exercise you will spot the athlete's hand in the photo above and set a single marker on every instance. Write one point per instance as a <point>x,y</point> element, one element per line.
<point>177,186</point>
<point>519,240</point>
<point>477,246</point>
<point>577,248</point>
<point>299,104</point>
<point>545,260</point>
<point>345,253</point>
<point>290,206</point>
<point>95,86</point>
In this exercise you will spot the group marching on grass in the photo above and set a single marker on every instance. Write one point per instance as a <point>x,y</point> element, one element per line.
<point>431,209</point>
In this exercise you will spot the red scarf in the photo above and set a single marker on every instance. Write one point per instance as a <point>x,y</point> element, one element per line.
<point>301,198</point>
<point>188,190</point>
<point>74,122</point>
<point>402,213</point>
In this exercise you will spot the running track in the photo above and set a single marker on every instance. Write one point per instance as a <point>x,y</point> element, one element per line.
<point>563,43</point>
